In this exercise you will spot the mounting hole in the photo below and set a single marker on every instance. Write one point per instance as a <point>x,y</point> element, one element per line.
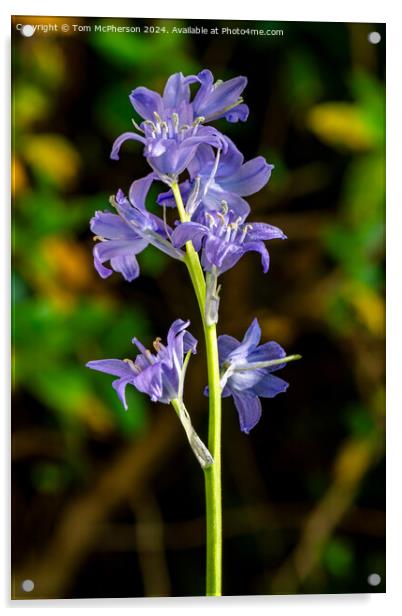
<point>27,30</point>
<point>28,585</point>
<point>374,579</point>
<point>374,38</point>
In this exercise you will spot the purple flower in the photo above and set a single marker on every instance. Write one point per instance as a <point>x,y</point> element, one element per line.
<point>215,178</point>
<point>122,236</point>
<point>157,374</point>
<point>172,127</point>
<point>224,238</point>
<point>220,99</point>
<point>246,375</point>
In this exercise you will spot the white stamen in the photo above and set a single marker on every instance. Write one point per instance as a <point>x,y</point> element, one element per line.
<point>136,125</point>
<point>211,220</point>
<point>246,229</point>
<point>175,121</point>
<point>213,172</point>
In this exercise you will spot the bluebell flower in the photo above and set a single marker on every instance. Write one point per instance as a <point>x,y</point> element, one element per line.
<point>220,99</point>
<point>220,177</point>
<point>173,127</point>
<point>246,371</point>
<point>157,374</point>
<point>223,238</point>
<point>160,374</point>
<point>125,234</point>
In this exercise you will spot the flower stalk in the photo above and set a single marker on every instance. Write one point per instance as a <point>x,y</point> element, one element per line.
<point>213,488</point>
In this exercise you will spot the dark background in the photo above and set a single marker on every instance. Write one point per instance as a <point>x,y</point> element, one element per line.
<point>108,503</point>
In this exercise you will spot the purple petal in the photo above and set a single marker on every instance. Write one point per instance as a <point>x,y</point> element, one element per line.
<point>189,231</point>
<point>110,226</point>
<point>268,352</point>
<point>117,367</point>
<point>263,231</point>
<point>206,134</point>
<point>118,248</point>
<point>213,104</point>
<point>120,386</point>
<point>139,346</point>
<point>202,162</point>
<point>145,102</point>
<point>104,272</point>
<point>127,265</point>
<point>149,381</point>
<point>230,162</point>
<point>269,386</point>
<point>139,190</point>
<point>167,198</point>
<point>249,410</point>
<point>114,155</point>
<point>222,254</point>
<point>206,80</point>
<point>250,178</point>
<point>136,219</point>
<point>175,329</point>
<point>226,344</point>
<point>176,157</point>
<point>259,247</point>
<point>245,380</point>
<point>238,113</point>
<point>189,343</point>
<point>177,90</point>
<point>251,337</point>
<point>180,341</point>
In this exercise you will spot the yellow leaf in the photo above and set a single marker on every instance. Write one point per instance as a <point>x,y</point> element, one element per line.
<point>340,125</point>
<point>53,156</point>
<point>369,306</point>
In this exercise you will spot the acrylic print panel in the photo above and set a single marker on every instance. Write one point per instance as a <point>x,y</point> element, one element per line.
<point>243,246</point>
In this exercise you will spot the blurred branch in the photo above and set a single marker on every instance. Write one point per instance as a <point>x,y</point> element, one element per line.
<point>240,521</point>
<point>149,539</point>
<point>354,460</point>
<point>124,478</point>
<point>36,442</point>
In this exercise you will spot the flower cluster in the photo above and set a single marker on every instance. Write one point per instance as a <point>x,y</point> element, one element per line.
<point>212,216</point>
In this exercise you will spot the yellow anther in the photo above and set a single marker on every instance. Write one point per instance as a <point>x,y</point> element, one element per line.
<point>157,344</point>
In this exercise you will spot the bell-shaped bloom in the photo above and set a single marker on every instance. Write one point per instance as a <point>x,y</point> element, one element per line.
<point>220,99</point>
<point>223,238</point>
<point>125,234</point>
<point>247,373</point>
<point>158,373</point>
<point>220,177</point>
<point>173,127</point>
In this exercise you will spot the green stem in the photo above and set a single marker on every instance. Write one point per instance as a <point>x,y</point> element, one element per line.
<point>213,490</point>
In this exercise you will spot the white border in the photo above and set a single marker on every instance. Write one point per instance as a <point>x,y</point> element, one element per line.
<point>308,10</point>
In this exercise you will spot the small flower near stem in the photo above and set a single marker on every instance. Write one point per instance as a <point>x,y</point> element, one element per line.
<point>246,373</point>
<point>123,235</point>
<point>161,376</point>
<point>222,239</point>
